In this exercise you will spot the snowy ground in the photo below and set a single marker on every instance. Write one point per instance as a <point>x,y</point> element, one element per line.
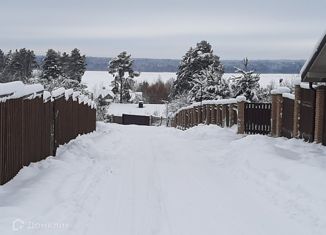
<point>157,110</point>
<point>93,79</point>
<point>124,180</point>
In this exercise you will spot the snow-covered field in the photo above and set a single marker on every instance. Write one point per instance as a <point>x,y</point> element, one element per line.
<point>157,110</point>
<point>124,180</point>
<point>103,78</point>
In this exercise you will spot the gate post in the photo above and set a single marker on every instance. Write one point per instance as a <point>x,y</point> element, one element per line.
<point>198,115</point>
<point>194,116</point>
<point>231,115</point>
<point>241,121</point>
<point>277,106</point>
<point>319,113</point>
<point>203,113</point>
<point>296,114</point>
<point>208,114</point>
<point>224,109</point>
<point>213,114</point>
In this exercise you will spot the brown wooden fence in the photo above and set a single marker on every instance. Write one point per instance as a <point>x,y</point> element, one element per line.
<point>298,115</point>
<point>257,118</point>
<point>287,117</point>
<point>31,130</point>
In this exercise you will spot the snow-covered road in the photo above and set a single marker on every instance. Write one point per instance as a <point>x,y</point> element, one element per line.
<point>132,180</point>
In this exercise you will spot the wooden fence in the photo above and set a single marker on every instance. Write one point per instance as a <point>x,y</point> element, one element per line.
<point>32,129</point>
<point>252,118</point>
<point>298,115</point>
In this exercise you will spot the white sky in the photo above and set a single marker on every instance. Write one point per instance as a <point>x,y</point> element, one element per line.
<point>257,29</point>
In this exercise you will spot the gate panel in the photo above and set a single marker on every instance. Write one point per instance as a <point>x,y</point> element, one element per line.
<point>307,114</point>
<point>287,117</point>
<point>257,118</point>
<point>135,119</point>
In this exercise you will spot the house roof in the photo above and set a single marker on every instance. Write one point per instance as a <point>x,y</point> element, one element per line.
<point>314,69</point>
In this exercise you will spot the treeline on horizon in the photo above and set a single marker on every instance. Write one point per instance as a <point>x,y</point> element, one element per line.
<point>171,65</point>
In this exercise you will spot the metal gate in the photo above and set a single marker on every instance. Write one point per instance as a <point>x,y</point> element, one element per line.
<point>257,118</point>
<point>287,117</point>
<point>135,119</point>
<point>307,114</point>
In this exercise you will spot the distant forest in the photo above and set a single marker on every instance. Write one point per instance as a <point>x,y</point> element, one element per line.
<point>171,65</point>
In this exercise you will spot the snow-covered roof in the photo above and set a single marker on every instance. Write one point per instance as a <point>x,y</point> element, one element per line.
<point>314,70</point>
<point>157,110</point>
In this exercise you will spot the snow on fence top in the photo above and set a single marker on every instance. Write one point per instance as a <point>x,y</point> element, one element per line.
<point>289,96</point>
<point>75,95</point>
<point>68,93</point>
<point>46,96</point>
<point>306,85</point>
<point>280,90</point>
<point>213,102</point>
<point>29,91</point>
<point>9,89</point>
<point>58,93</point>
<point>17,89</point>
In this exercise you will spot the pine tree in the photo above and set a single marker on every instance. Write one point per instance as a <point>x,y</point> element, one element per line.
<point>121,69</point>
<point>65,64</point>
<point>247,83</point>
<point>77,65</point>
<point>18,65</point>
<point>6,73</point>
<point>2,61</point>
<point>208,85</point>
<point>51,68</point>
<point>194,64</point>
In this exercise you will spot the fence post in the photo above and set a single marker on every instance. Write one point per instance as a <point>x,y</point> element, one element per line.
<point>194,117</point>
<point>231,115</point>
<point>213,114</point>
<point>277,108</point>
<point>276,114</point>
<point>224,109</point>
<point>208,114</point>
<point>319,113</point>
<point>199,115</point>
<point>241,120</point>
<point>296,114</point>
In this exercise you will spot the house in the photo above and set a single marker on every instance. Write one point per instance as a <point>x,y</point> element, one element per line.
<point>314,69</point>
<point>312,98</point>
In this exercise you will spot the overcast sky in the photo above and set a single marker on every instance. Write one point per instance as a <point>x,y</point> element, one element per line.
<point>258,29</point>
